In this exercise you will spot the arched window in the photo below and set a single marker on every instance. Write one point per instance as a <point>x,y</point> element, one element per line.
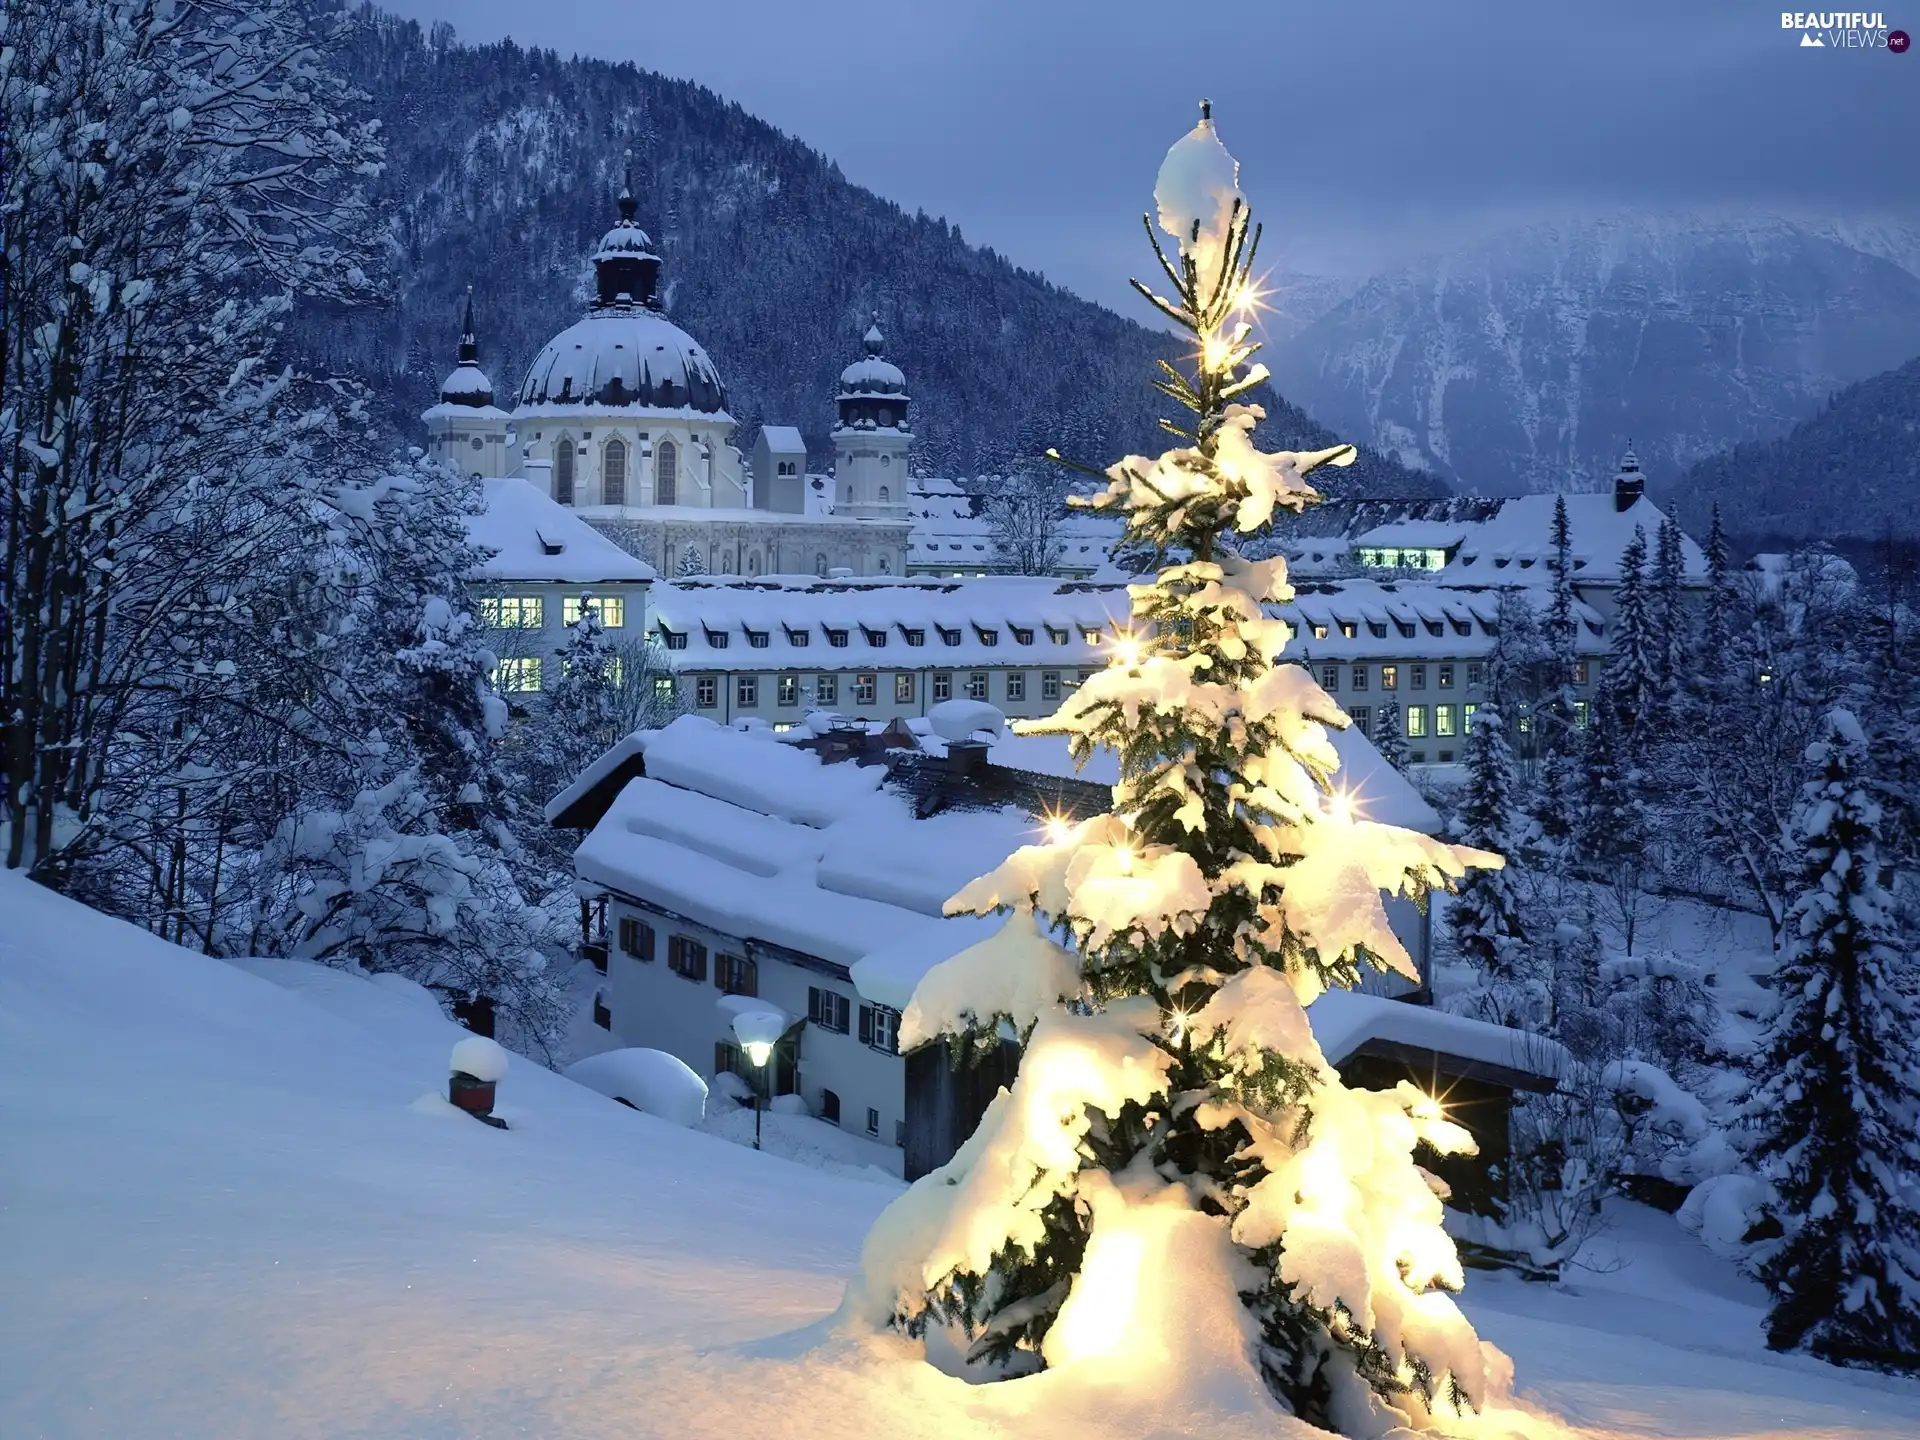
<point>820,566</point>
<point>883,494</point>
<point>613,473</point>
<point>563,472</point>
<point>666,473</point>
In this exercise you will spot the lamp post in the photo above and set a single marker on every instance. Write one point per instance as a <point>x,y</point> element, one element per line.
<point>758,1031</point>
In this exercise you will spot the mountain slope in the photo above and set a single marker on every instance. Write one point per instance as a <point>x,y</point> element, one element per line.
<point>502,168</point>
<point>1527,362</point>
<point>1852,471</point>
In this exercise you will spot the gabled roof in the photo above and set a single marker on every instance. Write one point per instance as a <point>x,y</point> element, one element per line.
<point>534,538</point>
<point>784,438</point>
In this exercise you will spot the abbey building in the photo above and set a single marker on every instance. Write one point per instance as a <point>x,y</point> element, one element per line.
<point>622,418</point>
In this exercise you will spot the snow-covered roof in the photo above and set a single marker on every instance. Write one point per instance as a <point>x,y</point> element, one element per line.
<point>798,622</point>
<point>871,376</point>
<point>624,357</point>
<point>947,530</point>
<point>762,840</point>
<point>1514,543</point>
<point>718,514</point>
<point>534,538</point>
<point>784,438</point>
<point>1347,1021</point>
<point>1405,620</point>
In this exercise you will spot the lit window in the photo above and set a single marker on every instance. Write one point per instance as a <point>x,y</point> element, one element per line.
<point>1416,722</point>
<point>942,688</point>
<point>1466,716</point>
<point>865,688</point>
<point>977,685</point>
<point>987,637</point>
<point>903,689</point>
<point>1319,632</point>
<point>788,690</point>
<point>1092,637</point>
<point>1016,685</point>
<point>826,690</point>
<point>663,690</point>
<point>746,691</point>
<point>520,675</point>
<point>512,612</point>
<point>1443,720</point>
<point>1349,630</point>
<point>706,692</point>
<point>1446,677</point>
<point>1581,712</point>
<point>1389,677</point>
<point>612,608</point>
<point>1050,685</point>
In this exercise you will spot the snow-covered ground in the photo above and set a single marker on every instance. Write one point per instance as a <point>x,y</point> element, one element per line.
<point>228,1209</point>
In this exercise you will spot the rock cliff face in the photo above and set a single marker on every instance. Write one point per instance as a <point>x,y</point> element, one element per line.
<point>1527,362</point>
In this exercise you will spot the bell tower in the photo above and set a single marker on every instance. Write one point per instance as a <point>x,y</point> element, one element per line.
<point>871,438</point>
<point>466,429</point>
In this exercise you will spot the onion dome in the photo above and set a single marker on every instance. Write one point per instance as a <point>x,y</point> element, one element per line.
<point>625,269</point>
<point>872,376</point>
<point>1630,483</point>
<point>468,384</point>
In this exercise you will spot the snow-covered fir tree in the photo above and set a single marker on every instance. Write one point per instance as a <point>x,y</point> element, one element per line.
<point>1171,1106</point>
<point>691,562</point>
<point>1633,672</point>
<point>1669,609</point>
<point>583,710</point>
<point>1613,831</point>
<point>1389,736</point>
<point>1484,916</point>
<point>1839,1088</point>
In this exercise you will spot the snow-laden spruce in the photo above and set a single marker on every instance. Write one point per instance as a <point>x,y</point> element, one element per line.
<point>1173,1115</point>
<point>1840,1100</point>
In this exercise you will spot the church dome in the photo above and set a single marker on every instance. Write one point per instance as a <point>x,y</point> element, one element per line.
<point>872,375</point>
<point>625,355</point>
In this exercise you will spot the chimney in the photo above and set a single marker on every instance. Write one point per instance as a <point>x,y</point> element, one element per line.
<point>965,757</point>
<point>1629,484</point>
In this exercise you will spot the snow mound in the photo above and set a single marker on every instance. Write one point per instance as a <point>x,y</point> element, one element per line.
<point>649,1080</point>
<point>957,719</point>
<point>483,1059</point>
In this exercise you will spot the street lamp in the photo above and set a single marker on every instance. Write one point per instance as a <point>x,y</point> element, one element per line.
<point>758,1031</point>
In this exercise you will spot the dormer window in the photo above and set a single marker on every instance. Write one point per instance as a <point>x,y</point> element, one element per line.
<point>1434,627</point>
<point>718,639</point>
<point>1377,629</point>
<point>987,637</point>
<point>674,639</point>
<point>1022,637</point>
<point>798,637</point>
<point>1058,637</point>
<point>759,639</point>
<point>916,637</point>
<point>949,637</point>
<point>1092,637</point>
<point>1405,627</point>
<point>875,638</point>
<point>1319,632</point>
<point>837,639</point>
<point>1349,630</point>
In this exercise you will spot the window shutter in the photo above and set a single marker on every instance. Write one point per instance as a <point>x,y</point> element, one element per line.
<point>866,1024</point>
<point>813,1004</point>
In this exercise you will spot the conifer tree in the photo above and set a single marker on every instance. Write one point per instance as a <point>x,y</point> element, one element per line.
<point>584,710</point>
<point>690,561</point>
<point>1485,915</point>
<point>1388,736</point>
<point>1633,674</point>
<point>1839,1088</point>
<point>1669,609</point>
<point>1614,828</point>
<point>1232,881</point>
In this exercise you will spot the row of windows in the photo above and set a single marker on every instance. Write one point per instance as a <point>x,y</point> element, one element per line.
<point>525,675</point>
<point>1359,676</point>
<point>1447,720</point>
<point>613,472</point>
<point>840,637</point>
<point>1405,558</point>
<point>529,612</point>
<point>864,688</point>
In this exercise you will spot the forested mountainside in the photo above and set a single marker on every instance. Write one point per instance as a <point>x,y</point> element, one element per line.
<point>502,168</point>
<point>1850,472</point>
<point>1528,361</point>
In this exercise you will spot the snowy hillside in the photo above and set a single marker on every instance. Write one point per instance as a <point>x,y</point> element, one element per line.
<point>1526,362</point>
<point>228,1210</point>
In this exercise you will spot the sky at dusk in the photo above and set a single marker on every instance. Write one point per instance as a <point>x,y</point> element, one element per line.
<point>1365,131</point>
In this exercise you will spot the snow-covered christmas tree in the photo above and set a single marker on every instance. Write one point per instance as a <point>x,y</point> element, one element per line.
<point>1840,1093</point>
<point>1176,1159</point>
<point>1388,735</point>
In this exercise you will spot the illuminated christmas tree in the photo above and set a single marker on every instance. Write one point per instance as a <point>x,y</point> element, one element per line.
<point>1176,1158</point>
